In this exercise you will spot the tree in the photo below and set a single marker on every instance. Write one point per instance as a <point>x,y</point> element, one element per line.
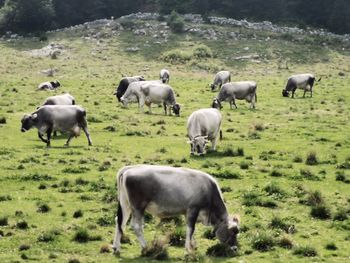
<point>25,16</point>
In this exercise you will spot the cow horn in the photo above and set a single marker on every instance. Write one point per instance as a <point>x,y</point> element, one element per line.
<point>34,116</point>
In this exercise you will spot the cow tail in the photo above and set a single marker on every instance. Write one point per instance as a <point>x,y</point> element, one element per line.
<point>120,218</point>
<point>256,97</point>
<point>73,102</point>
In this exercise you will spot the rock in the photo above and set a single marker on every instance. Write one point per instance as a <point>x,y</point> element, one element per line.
<point>132,49</point>
<point>247,57</point>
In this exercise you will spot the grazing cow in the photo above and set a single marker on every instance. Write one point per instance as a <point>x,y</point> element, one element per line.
<point>51,85</point>
<point>300,81</point>
<point>242,90</point>
<point>220,79</point>
<point>203,125</point>
<point>159,94</point>
<point>64,99</point>
<point>164,75</point>
<point>124,84</point>
<point>166,191</point>
<point>63,118</point>
<point>133,93</point>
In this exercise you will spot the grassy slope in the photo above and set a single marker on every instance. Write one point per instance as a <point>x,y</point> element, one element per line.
<point>292,128</point>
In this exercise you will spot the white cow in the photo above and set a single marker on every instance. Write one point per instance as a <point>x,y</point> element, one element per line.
<point>164,75</point>
<point>220,79</point>
<point>203,126</point>
<point>300,81</point>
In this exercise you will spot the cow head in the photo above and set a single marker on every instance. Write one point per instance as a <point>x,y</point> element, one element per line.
<point>198,144</point>
<point>176,109</point>
<point>212,87</point>
<point>216,104</point>
<point>285,93</point>
<point>55,84</point>
<point>227,232</point>
<point>124,101</point>
<point>28,121</point>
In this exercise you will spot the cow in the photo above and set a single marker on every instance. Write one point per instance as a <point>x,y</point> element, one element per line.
<point>220,79</point>
<point>166,191</point>
<point>124,84</point>
<point>63,118</point>
<point>63,99</point>
<point>49,85</point>
<point>133,93</point>
<point>159,94</point>
<point>300,81</point>
<point>203,126</point>
<point>164,75</point>
<point>236,90</point>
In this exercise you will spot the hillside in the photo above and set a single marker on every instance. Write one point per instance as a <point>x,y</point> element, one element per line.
<point>275,164</point>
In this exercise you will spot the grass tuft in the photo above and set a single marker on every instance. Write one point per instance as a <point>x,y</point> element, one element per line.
<point>3,221</point>
<point>306,251</point>
<point>156,250</point>
<point>263,242</point>
<point>311,159</point>
<point>220,250</point>
<point>321,212</point>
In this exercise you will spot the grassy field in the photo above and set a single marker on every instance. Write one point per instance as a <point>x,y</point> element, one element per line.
<point>284,167</point>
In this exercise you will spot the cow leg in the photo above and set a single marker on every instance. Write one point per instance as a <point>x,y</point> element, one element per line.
<point>124,213</point>
<point>41,137</point>
<point>137,225</point>
<point>55,134</point>
<point>86,131</point>
<point>48,132</point>
<point>234,103</point>
<point>191,217</point>
<point>69,139</point>
<point>311,91</point>
<point>304,93</point>
<point>165,108</point>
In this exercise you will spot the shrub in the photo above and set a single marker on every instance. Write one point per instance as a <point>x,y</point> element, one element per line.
<point>156,250</point>
<point>202,51</point>
<point>275,190</point>
<point>321,212</point>
<point>78,213</point>
<point>315,198</point>
<point>43,208</point>
<point>331,246</point>
<point>177,238</point>
<point>3,221</point>
<point>23,247</point>
<point>306,251</point>
<point>81,235</point>
<point>176,56</point>
<point>263,242</point>
<point>285,242</point>
<point>22,224</point>
<point>340,215</point>
<point>244,165</point>
<point>276,173</point>
<point>2,120</point>
<point>176,22</point>
<point>104,248</point>
<point>297,159</point>
<point>311,158</point>
<point>226,174</point>
<point>221,250</point>
<point>46,236</point>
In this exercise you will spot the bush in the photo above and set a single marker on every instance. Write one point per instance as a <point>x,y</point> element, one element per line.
<point>315,198</point>
<point>176,56</point>
<point>331,246</point>
<point>176,22</point>
<point>321,212</point>
<point>81,235</point>
<point>22,224</point>
<point>202,51</point>
<point>43,208</point>
<point>311,158</point>
<point>156,250</point>
<point>3,221</point>
<point>263,242</point>
<point>306,251</point>
<point>340,215</point>
<point>285,242</point>
<point>78,213</point>
<point>177,238</point>
<point>221,250</point>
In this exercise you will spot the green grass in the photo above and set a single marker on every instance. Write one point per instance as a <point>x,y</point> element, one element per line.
<point>262,163</point>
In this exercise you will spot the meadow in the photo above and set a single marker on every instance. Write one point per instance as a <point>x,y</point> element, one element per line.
<point>283,167</point>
